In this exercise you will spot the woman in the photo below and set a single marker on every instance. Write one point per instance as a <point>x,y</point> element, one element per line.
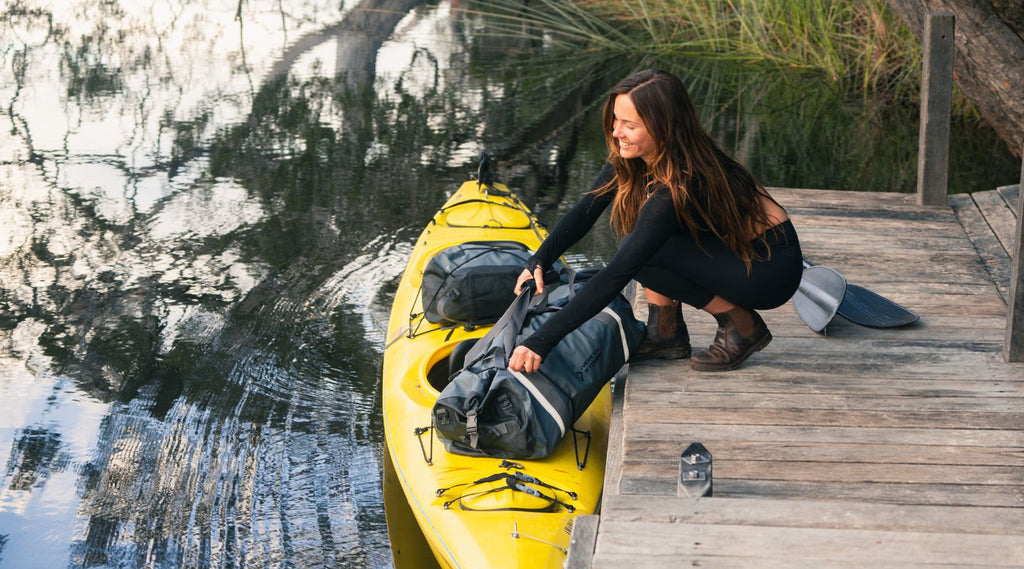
<point>695,226</point>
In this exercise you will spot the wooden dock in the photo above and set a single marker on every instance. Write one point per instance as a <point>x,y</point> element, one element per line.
<point>860,448</point>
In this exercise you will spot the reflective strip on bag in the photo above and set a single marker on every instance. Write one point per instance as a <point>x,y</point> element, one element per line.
<point>540,398</point>
<point>622,331</point>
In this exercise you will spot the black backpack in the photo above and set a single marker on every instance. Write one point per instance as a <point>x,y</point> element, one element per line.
<point>488,410</point>
<point>472,282</point>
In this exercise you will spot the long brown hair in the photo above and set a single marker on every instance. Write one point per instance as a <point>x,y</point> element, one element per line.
<point>728,201</point>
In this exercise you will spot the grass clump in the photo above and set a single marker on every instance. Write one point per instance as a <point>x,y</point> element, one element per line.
<point>857,45</point>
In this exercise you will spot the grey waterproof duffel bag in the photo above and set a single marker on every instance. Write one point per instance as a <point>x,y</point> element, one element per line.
<point>488,410</point>
<point>472,282</point>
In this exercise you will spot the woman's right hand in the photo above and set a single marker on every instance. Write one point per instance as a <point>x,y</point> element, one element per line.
<point>537,276</point>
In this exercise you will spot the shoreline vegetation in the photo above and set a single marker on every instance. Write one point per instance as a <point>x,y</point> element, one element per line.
<point>859,46</point>
<point>807,93</point>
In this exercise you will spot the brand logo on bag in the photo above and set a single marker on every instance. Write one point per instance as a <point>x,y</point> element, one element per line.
<point>588,362</point>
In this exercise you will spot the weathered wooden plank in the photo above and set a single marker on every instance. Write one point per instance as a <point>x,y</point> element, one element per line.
<point>1010,195</point>
<point>631,560</point>
<point>869,225</point>
<point>937,267</point>
<point>881,362</point>
<point>815,514</point>
<point>826,417</point>
<point>929,305</point>
<point>908,348</point>
<point>867,452</point>
<point>998,215</point>
<point>808,382</point>
<point>991,253</point>
<point>903,236</point>
<point>815,229</point>
<point>827,435</point>
<point>959,314</point>
<point>616,429</point>
<point>884,266</point>
<point>986,314</point>
<point>694,400</point>
<point>681,542</point>
<point>775,362</point>
<point>844,199</point>
<point>927,321</point>
<point>582,542</point>
<point>875,493</point>
<point>818,229</point>
<point>911,289</point>
<point>1013,346</point>
<point>841,473</point>
<point>805,351</point>
<point>672,388</point>
<point>897,493</point>
<point>833,239</point>
<point>906,234</point>
<point>839,330</point>
<point>853,206</point>
<point>778,369</point>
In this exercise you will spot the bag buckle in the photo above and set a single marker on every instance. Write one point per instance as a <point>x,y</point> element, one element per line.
<point>471,428</point>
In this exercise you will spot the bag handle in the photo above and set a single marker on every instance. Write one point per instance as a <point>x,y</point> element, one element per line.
<point>508,326</point>
<point>511,323</point>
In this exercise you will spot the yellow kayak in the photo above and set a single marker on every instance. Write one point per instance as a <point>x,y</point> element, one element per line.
<point>465,508</point>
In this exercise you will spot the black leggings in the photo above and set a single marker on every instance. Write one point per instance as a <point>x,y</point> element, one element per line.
<point>685,272</point>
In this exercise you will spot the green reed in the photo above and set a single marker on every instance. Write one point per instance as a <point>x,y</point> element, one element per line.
<point>857,45</point>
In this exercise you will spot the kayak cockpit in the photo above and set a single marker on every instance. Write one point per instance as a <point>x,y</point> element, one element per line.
<point>444,363</point>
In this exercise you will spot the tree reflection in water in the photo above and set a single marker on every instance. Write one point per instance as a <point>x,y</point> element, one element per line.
<point>198,243</point>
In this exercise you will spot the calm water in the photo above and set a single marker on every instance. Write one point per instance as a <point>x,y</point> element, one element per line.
<point>204,208</point>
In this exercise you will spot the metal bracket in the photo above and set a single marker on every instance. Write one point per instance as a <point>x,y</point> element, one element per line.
<point>419,432</point>
<point>580,464</point>
<point>695,472</point>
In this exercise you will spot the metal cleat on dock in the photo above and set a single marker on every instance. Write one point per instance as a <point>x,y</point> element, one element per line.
<point>694,472</point>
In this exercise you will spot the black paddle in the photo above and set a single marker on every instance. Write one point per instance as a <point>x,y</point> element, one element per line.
<point>824,292</point>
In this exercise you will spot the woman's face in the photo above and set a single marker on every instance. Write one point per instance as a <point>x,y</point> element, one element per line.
<point>629,131</point>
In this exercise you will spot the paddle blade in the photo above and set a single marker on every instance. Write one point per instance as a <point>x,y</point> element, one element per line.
<point>868,308</point>
<point>817,300</point>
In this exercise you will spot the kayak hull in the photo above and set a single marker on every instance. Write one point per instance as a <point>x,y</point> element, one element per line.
<point>491,526</point>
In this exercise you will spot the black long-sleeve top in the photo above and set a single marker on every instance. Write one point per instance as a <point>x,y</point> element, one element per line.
<point>656,222</point>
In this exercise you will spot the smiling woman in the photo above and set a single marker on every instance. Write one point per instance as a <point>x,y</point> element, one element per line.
<point>695,227</point>
<point>629,131</point>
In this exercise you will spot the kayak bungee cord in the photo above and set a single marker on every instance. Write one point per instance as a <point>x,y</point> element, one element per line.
<point>416,319</point>
<point>515,481</point>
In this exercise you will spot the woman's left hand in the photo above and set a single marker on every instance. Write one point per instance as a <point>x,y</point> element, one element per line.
<point>524,359</point>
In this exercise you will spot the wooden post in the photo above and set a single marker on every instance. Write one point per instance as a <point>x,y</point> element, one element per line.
<point>1013,350</point>
<point>582,542</point>
<point>936,104</point>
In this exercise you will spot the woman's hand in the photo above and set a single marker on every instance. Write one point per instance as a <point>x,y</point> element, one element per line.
<point>524,359</point>
<point>537,276</point>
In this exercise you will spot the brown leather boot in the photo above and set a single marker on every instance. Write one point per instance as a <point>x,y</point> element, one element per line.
<point>741,332</point>
<point>666,336</point>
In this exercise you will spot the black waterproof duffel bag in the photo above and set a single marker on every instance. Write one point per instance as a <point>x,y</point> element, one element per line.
<point>472,282</point>
<point>488,410</point>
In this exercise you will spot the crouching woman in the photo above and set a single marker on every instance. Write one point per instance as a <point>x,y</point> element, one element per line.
<point>695,228</point>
